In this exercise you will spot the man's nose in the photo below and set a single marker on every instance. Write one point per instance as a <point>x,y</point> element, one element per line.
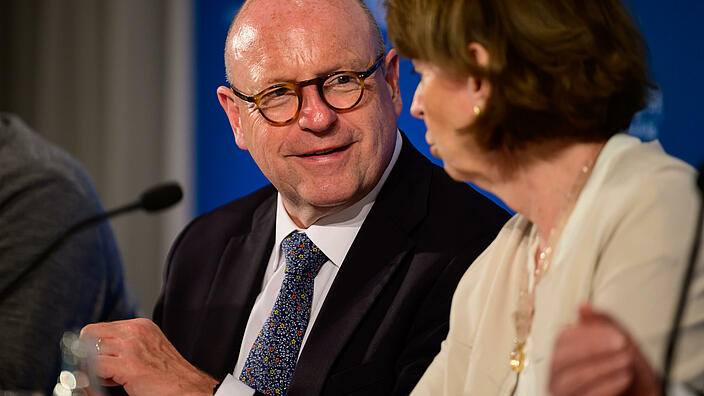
<point>417,104</point>
<point>315,115</point>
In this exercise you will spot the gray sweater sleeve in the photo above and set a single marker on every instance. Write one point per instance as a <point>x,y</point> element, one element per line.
<point>80,283</point>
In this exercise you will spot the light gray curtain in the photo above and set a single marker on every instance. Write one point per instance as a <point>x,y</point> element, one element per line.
<point>110,82</point>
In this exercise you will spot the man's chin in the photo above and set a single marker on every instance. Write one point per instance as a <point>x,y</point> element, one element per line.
<point>305,214</point>
<point>331,202</point>
<point>332,193</point>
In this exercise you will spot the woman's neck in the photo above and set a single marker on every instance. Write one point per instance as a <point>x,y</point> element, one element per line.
<point>547,182</point>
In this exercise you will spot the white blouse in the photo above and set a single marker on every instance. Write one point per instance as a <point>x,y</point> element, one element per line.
<point>624,249</point>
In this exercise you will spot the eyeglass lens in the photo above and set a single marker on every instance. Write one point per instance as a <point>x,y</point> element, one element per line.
<point>340,91</point>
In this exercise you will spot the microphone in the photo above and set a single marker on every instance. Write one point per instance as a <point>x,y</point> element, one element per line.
<point>152,200</point>
<point>161,197</point>
<point>684,291</point>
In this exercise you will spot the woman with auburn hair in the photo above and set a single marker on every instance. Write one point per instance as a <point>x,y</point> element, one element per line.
<point>529,100</point>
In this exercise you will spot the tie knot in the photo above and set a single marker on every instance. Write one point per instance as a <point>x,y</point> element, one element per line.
<point>302,256</point>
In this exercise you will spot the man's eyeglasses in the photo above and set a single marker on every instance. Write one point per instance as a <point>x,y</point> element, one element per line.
<point>281,103</point>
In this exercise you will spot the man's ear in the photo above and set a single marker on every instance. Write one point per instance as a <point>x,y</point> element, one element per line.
<point>391,76</point>
<point>227,101</point>
<point>478,86</point>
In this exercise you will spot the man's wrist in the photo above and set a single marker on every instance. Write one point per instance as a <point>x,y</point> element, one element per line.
<point>216,387</point>
<point>205,385</point>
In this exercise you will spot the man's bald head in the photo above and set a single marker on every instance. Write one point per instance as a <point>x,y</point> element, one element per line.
<point>249,22</point>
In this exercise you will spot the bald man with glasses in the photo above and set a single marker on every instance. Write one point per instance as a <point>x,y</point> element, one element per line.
<point>337,278</point>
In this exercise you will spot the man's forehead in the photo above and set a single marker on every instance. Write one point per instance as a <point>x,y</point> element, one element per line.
<point>296,51</point>
<point>242,40</point>
<point>268,70</point>
<point>278,16</point>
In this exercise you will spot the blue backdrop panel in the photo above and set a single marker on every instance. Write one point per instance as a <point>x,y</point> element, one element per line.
<point>674,31</point>
<point>223,171</point>
<point>674,34</point>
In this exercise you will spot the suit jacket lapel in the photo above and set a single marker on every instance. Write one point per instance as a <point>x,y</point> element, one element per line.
<point>232,294</point>
<point>381,244</point>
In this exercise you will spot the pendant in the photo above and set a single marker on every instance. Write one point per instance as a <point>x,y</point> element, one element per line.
<point>517,357</point>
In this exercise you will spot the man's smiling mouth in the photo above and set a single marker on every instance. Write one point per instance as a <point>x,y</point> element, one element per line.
<point>325,152</point>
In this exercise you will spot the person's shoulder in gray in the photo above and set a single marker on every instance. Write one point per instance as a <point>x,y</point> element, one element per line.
<point>43,191</point>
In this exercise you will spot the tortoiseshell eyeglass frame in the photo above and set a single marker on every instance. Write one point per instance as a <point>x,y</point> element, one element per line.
<point>318,81</point>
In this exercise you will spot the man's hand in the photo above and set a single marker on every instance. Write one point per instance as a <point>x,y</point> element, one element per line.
<point>136,354</point>
<point>597,357</point>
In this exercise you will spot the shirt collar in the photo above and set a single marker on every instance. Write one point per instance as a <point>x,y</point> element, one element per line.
<point>334,234</point>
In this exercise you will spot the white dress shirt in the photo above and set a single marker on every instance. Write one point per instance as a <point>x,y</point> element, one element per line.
<point>334,235</point>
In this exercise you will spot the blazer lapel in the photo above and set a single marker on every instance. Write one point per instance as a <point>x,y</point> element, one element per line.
<point>232,294</point>
<point>381,245</point>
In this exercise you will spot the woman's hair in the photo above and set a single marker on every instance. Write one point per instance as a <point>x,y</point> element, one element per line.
<point>558,69</point>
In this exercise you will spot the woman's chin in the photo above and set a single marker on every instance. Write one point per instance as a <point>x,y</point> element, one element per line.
<point>455,174</point>
<point>434,151</point>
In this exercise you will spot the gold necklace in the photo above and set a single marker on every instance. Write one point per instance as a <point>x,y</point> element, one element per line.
<point>525,307</point>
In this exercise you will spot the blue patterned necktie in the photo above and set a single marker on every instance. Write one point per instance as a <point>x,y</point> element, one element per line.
<point>273,356</point>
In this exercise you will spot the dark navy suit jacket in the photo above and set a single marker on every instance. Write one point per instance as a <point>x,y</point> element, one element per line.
<point>387,311</point>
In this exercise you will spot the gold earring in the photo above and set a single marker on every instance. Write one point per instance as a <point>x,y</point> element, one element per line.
<point>477,110</point>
